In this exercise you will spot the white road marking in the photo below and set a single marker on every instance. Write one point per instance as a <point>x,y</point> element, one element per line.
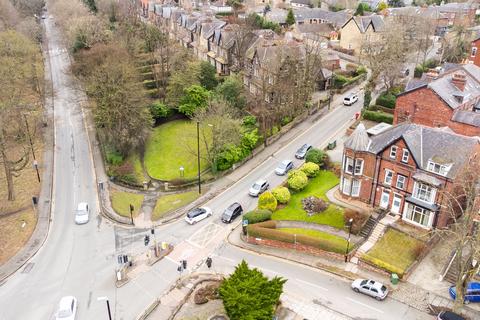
<point>171,260</point>
<point>311,284</point>
<point>193,244</point>
<point>365,305</point>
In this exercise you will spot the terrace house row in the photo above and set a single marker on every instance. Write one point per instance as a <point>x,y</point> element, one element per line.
<point>406,169</point>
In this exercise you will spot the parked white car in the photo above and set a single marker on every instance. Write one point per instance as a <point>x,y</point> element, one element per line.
<point>67,308</point>
<point>370,287</point>
<point>350,99</point>
<point>284,167</point>
<point>198,214</point>
<point>82,213</point>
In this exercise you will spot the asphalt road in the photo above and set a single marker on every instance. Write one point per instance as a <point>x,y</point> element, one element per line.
<point>80,260</point>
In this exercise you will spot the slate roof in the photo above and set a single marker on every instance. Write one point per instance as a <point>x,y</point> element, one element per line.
<point>321,28</point>
<point>426,143</point>
<point>375,20</point>
<point>358,140</point>
<point>337,19</point>
<point>304,2</point>
<point>467,117</point>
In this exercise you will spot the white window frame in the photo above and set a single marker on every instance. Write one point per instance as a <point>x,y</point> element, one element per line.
<point>404,180</point>
<point>393,152</point>
<point>356,184</point>
<point>359,166</point>
<point>474,51</point>
<point>348,163</point>
<point>405,155</point>
<point>387,174</point>
<point>424,192</point>
<point>438,168</point>
<point>384,192</point>
<point>346,183</point>
<point>398,197</point>
<point>425,215</point>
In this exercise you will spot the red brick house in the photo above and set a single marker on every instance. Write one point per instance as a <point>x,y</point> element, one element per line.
<point>449,99</point>
<point>405,169</point>
<point>474,56</point>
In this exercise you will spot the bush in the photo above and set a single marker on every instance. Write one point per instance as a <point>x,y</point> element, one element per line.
<point>249,121</point>
<point>267,201</point>
<point>418,72</point>
<point>367,98</point>
<point>160,110</point>
<point>297,180</point>
<point>258,215</point>
<point>282,194</point>
<point>113,157</point>
<point>310,168</point>
<point>285,120</point>
<point>361,70</point>
<point>359,219</point>
<point>378,116</point>
<point>316,156</point>
<point>386,100</point>
<point>339,81</point>
<point>313,205</point>
<point>430,64</point>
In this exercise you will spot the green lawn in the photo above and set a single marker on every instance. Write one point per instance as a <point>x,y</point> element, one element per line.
<point>172,145</point>
<point>318,187</point>
<point>121,202</point>
<point>395,249</point>
<point>134,159</point>
<point>171,202</point>
<point>336,240</point>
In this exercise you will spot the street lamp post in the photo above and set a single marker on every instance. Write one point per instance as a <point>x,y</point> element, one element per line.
<point>350,222</point>
<point>198,157</point>
<point>108,306</point>
<point>35,165</point>
<point>332,82</point>
<point>131,213</point>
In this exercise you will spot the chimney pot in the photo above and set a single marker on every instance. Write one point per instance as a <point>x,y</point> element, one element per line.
<point>459,79</point>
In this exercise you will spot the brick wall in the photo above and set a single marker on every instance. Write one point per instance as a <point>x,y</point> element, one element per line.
<point>476,58</point>
<point>423,106</point>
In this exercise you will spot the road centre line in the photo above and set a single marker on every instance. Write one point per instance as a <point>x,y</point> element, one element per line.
<point>311,284</point>
<point>365,305</point>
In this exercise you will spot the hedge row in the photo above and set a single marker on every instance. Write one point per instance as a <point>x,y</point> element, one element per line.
<point>257,216</point>
<point>267,230</point>
<point>383,265</point>
<point>378,116</point>
<point>386,100</point>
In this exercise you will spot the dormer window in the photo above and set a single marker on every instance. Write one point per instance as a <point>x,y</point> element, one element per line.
<point>405,155</point>
<point>393,152</point>
<point>438,168</point>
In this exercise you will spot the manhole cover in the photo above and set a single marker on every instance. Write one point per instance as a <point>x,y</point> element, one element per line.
<point>28,267</point>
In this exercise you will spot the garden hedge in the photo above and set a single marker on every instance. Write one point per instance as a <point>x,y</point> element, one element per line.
<point>387,100</point>
<point>267,230</point>
<point>257,216</point>
<point>383,265</point>
<point>378,116</point>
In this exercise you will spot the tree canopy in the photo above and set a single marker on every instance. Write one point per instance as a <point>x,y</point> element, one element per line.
<point>248,294</point>
<point>290,20</point>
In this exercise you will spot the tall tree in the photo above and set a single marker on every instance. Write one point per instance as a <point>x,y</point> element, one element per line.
<point>232,91</point>
<point>290,20</point>
<point>462,204</point>
<point>248,294</point>
<point>455,45</point>
<point>208,75</point>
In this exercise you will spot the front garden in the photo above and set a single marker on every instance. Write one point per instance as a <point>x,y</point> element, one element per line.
<point>394,252</point>
<point>299,212</point>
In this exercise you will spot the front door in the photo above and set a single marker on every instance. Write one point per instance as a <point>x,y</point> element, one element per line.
<point>384,199</point>
<point>396,203</point>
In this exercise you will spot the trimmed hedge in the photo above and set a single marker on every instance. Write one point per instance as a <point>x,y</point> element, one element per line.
<point>267,201</point>
<point>258,215</point>
<point>386,100</point>
<point>311,169</point>
<point>383,265</point>
<point>378,116</point>
<point>297,180</point>
<point>267,230</point>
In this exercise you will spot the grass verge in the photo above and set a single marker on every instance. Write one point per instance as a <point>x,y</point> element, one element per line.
<point>172,145</point>
<point>168,203</point>
<point>121,202</point>
<point>337,241</point>
<point>318,187</point>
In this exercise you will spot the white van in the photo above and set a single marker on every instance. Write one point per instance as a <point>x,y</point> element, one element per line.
<point>350,99</point>
<point>82,213</point>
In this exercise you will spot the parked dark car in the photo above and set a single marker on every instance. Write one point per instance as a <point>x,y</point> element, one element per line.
<point>234,210</point>
<point>302,152</point>
<point>472,294</point>
<point>449,315</point>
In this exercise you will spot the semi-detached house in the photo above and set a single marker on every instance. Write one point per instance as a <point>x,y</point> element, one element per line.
<point>405,170</point>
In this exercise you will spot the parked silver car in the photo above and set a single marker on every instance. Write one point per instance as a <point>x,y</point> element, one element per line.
<point>258,187</point>
<point>370,287</point>
<point>284,167</point>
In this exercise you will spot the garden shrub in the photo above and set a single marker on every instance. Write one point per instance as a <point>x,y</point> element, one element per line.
<point>339,81</point>
<point>297,180</point>
<point>383,265</point>
<point>311,169</point>
<point>418,72</point>
<point>285,120</point>
<point>387,100</point>
<point>267,201</point>
<point>361,70</point>
<point>430,64</point>
<point>249,121</point>
<point>367,98</point>
<point>316,156</point>
<point>258,215</point>
<point>282,194</point>
<point>359,219</point>
<point>113,157</point>
<point>313,205</point>
<point>160,110</point>
<point>378,116</point>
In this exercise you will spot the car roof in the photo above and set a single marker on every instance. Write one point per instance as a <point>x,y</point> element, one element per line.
<point>82,206</point>
<point>261,181</point>
<point>233,205</point>
<point>350,95</point>
<point>474,286</point>
<point>285,162</point>
<point>66,302</point>
<point>448,315</point>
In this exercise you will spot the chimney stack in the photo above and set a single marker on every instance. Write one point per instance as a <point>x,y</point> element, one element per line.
<point>459,79</point>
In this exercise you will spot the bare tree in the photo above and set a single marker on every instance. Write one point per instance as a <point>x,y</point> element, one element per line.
<point>462,203</point>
